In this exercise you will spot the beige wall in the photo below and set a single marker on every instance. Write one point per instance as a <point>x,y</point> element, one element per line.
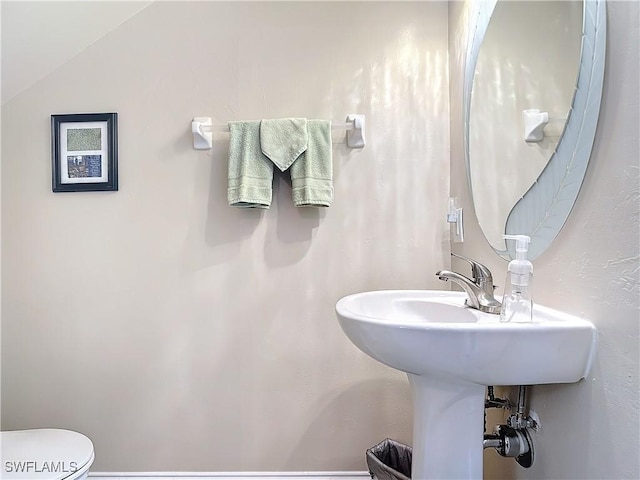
<point>180,333</point>
<point>590,430</point>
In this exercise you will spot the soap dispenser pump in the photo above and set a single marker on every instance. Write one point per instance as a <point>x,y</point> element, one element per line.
<point>517,302</point>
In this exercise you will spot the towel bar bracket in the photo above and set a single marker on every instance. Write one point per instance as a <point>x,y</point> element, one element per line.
<point>355,137</point>
<point>202,136</point>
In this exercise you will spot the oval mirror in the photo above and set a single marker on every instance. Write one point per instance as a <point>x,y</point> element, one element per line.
<point>532,90</point>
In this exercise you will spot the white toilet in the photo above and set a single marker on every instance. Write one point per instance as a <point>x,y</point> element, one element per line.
<point>45,454</point>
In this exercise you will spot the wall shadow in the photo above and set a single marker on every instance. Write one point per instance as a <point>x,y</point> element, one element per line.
<point>289,235</point>
<point>360,415</point>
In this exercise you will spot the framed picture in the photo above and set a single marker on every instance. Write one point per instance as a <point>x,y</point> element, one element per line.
<point>84,152</point>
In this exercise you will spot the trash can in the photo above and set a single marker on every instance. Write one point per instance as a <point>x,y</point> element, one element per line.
<point>389,460</point>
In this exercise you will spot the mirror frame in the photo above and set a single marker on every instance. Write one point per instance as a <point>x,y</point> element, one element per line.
<point>544,208</point>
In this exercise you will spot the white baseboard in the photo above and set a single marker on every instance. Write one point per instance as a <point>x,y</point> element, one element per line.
<point>230,475</point>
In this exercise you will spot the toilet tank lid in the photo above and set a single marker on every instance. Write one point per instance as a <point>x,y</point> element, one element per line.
<point>45,453</point>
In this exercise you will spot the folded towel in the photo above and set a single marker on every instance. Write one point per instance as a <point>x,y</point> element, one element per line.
<point>303,146</point>
<point>283,140</point>
<point>312,172</point>
<point>250,171</point>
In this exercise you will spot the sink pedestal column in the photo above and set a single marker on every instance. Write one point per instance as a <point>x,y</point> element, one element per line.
<point>448,429</point>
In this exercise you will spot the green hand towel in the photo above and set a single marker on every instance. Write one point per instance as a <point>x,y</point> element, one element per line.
<point>250,171</point>
<point>283,140</point>
<point>312,172</point>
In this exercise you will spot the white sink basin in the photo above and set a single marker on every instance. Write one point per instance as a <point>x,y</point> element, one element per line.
<point>432,333</point>
<point>450,353</point>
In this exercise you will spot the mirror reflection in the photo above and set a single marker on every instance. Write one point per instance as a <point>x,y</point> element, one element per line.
<point>529,59</point>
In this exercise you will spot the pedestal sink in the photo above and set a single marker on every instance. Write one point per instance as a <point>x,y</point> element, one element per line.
<point>450,354</point>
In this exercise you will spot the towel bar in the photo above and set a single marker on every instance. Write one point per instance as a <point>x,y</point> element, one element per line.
<point>203,128</point>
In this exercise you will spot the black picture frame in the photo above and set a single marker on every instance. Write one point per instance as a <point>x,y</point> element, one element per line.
<point>84,152</point>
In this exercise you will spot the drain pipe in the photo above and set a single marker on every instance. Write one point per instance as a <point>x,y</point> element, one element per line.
<point>510,442</point>
<point>513,439</point>
<point>492,441</point>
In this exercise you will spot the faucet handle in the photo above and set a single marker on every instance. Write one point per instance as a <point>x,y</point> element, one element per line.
<point>480,273</point>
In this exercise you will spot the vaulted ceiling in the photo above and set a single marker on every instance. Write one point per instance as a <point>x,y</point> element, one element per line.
<point>39,36</point>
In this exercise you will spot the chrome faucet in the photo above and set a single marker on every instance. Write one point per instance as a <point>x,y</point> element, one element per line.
<point>479,289</point>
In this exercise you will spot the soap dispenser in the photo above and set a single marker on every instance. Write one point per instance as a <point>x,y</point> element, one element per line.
<point>517,303</point>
